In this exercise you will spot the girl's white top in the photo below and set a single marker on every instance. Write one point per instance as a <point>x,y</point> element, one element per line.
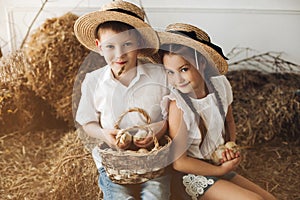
<point>208,108</point>
<point>105,98</point>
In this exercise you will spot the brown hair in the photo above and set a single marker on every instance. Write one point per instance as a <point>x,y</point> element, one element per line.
<point>115,26</point>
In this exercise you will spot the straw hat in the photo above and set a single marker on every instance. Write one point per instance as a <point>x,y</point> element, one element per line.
<point>191,36</point>
<point>121,11</point>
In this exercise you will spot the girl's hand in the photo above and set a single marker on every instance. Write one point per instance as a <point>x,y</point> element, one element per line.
<point>230,165</point>
<point>228,155</point>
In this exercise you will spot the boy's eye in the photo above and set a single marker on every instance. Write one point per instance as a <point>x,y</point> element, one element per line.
<point>128,44</point>
<point>109,46</point>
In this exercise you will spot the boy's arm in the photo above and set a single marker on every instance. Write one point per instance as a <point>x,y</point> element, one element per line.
<point>93,129</point>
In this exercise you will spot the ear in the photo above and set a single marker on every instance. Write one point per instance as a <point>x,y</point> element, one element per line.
<point>98,44</point>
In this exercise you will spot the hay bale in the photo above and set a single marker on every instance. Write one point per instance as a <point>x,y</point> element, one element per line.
<point>20,108</point>
<point>55,56</point>
<point>24,164</point>
<point>74,174</point>
<point>13,67</point>
<point>45,165</point>
<point>265,105</point>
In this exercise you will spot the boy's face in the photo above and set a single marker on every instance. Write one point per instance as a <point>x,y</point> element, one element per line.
<point>119,49</point>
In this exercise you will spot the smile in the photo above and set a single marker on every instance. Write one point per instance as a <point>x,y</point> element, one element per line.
<point>183,85</point>
<point>121,63</point>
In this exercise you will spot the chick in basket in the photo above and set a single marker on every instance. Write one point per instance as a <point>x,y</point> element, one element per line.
<point>133,142</point>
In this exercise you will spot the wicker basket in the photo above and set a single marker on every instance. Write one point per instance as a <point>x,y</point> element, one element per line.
<point>132,167</point>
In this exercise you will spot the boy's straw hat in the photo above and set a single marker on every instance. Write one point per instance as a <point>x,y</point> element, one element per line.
<point>191,36</point>
<point>121,11</point>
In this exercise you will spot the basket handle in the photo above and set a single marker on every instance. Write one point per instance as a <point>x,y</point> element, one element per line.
<point>140,110</point>
<point>147,128</point>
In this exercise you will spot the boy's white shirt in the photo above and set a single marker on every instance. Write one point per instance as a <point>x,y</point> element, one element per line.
<point>208,108</point>
<point>102,93</point>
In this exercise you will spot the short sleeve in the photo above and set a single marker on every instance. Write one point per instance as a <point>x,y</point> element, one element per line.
<point>86,111</point>
<point>223,87</point>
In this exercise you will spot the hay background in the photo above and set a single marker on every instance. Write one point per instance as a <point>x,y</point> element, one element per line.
<point>55,56</point>
<point>42,158</point>
<point>53,164</point>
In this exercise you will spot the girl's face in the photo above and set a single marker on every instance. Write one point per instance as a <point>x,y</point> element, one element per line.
<point>119,49</point>
<point>182,74</point>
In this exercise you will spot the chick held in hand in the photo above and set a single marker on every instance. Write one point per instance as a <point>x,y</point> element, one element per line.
<point>123,138</point>
<point>217,155</point>
<point>232,146</point>
<point>140,135</point>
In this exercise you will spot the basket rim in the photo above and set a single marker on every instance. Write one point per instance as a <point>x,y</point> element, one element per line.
<point>120,152</point>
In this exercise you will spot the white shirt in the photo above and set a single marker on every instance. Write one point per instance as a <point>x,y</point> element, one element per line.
<point>207,107</point>
<point>102,93</point>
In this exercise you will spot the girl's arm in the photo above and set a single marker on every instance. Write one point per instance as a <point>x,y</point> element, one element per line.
<point>230,128</point>
<point>184,163</point>
<point>230,135</point>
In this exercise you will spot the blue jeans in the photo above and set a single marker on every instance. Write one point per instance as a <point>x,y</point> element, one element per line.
<point>154,189</point>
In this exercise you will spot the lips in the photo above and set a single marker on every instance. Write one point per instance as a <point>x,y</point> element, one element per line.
<point>121,62</point>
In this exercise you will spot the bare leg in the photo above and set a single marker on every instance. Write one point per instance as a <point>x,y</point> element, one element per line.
<point>224,190</point>
<point>247,184</point>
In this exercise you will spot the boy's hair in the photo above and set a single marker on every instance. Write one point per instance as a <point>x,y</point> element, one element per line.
<point>115,26</point>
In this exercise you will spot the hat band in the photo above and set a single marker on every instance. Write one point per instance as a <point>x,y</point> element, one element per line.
<point>126,12</point>
<point>193,35</point>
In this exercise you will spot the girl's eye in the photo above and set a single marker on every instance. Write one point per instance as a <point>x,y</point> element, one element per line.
<point>184,69</point>
<point>169,72</point>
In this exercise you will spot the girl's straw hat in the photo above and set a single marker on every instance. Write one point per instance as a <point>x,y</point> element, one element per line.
<point>121,11</point>
<point>191,36</point>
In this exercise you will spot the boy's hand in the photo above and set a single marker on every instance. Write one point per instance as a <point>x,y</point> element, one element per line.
<point>109,136</point>
<point>143,143</point>
<point>123,139</point>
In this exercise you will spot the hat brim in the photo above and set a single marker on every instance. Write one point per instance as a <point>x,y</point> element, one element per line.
<point>209,53</point>
<point>85,27</point>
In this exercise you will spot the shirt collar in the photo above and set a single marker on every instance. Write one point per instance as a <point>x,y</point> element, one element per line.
<point>108,75</point>
<point>141,70</point>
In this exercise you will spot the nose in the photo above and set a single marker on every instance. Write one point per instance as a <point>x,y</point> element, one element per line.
<point>119,52</point>
<point>176,79</point>
<point>179,78</point>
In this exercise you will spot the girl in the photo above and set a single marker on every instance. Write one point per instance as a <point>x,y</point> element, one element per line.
<point>200,118</point>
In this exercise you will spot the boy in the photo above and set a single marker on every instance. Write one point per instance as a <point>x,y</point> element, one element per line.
<point>119,33</point>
